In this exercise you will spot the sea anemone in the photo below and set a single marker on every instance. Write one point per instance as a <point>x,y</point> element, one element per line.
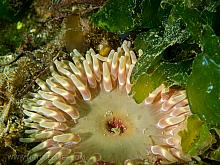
<point>83,114</point>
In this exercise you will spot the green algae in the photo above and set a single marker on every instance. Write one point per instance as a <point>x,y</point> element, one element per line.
<point>203,89</point>
<point>127,15</point>
<point>196,141</point>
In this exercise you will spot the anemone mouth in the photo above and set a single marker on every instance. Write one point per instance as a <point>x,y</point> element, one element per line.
<point>83,114</point>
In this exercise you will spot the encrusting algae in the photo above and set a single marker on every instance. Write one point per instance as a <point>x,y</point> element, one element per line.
<point>83,114</point>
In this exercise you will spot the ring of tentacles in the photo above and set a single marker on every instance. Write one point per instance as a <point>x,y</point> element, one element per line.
<point>83,114</point>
